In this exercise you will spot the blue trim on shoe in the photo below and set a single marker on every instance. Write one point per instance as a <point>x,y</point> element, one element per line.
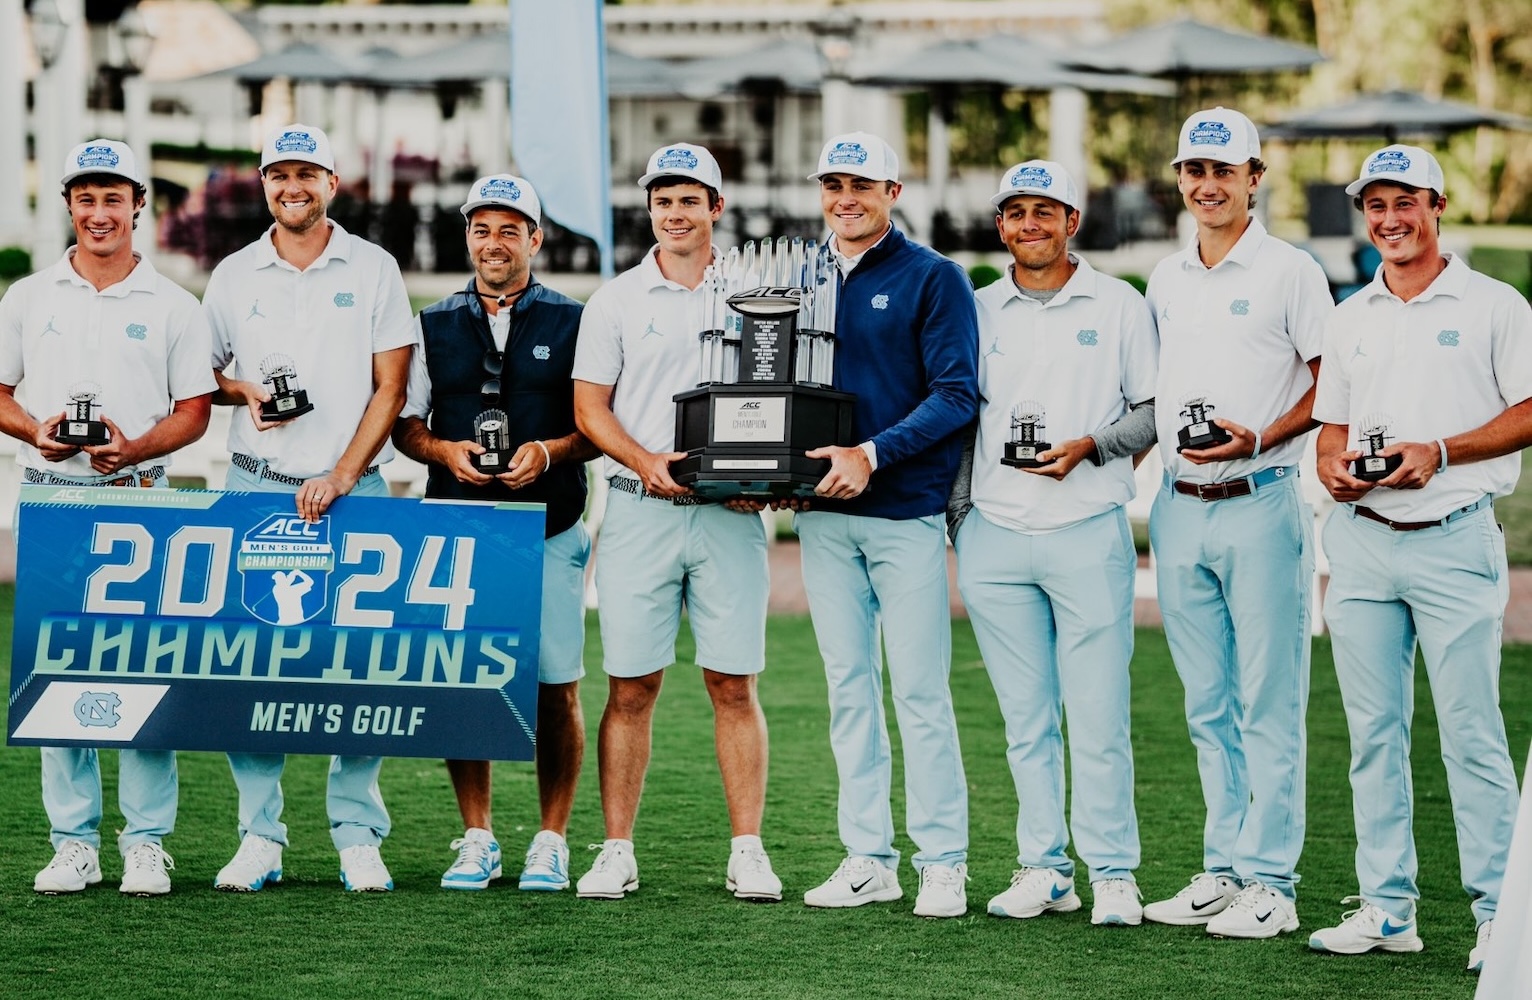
<point>273,877</point>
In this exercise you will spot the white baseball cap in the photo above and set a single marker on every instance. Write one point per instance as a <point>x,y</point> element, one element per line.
<point>101,156</point>
<point>684,160</point>
<point>1219,134</point>
<point>860,154</point>
<point>303,143</point>
<point>1040,177</point>
<point>504,191</point>
<point>1407,165</point>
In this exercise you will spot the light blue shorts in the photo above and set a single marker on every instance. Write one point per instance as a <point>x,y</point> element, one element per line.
<point>655,557</point>
<point>561,652</point>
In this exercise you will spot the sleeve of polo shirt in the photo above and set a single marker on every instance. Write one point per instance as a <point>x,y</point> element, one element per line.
<point>417,395</point>
<point>189,343</point>
<point>598,349</point>
<point>1332,398</point>
<point>393,323</point>
<point>1152,292</point>
<point>215,308</point>
<point>1140,349</point>
<point>949,348</point>
<point>11,312</point>
<point>1309,305</point>
<point>1511,345</point>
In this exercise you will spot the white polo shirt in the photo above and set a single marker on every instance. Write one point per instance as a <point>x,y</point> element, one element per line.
<point>144,341</point>
<point>639,334</point>
<point>1239,333</point>
<point>1449,360</point>
<point>330,319</point>
<point>1085,356</point>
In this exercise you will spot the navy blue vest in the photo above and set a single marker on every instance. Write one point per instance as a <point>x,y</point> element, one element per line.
<point>537,392</point>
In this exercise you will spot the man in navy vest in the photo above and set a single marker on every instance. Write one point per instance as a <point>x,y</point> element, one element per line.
<point>503,349</point>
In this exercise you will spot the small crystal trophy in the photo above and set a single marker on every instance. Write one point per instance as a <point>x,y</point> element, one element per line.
<point>80,426</point>
<point>1026,443</point>
<point>1200,431</point>
<point>490,430</point>
<point>1371,466</point>
<point>287,400</point>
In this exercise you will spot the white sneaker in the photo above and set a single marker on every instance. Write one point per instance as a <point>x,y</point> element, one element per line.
<point>1481,948</point>
<point>257,862</point>
<point>943,892</point>
<point>858,880</point>
<point>613,876</point>
<point>1259,911</point>
<point>144,870</point>
<point>75,865</point>
<point>1116,903</point>
<point>478,861</point>
<point>1204,898</point>
<point>1367,928</point>
<point>750,876</point>
<point>362,869</point>
<point>1035,891</point>
<point>547,866</point>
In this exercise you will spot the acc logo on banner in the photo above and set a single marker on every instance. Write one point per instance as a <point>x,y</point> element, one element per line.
<point>284,566</point>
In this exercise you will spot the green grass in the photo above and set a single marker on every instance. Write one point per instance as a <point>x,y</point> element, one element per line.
<point>681,935</point>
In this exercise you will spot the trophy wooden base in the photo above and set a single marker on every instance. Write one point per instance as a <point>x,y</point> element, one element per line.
<point>286,407</point>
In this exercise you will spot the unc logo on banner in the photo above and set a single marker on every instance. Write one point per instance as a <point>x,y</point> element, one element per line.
<point>847,152</point>
<point>677,159</point>
<point>1032,177</point>
<point>97,156</point>
<point>1210,134</point>
<point>296,142</point>
<point>284,565</point>
<point>1389,161</point>
<point>94,708</point>
<point>499,187</point>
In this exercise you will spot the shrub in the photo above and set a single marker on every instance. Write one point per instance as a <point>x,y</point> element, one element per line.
<point>15,262</point>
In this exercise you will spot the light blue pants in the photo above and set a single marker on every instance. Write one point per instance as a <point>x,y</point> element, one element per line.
<point>1053,614</point>
<point>561,650</point>
<point>1234,582</point>
<point>860,572</point>
<point>1445,588</point>
<point>147,785</point>
<point>353,800</point>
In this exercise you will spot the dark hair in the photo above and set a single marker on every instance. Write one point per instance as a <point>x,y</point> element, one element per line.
<point>140,192</point>
<point>713,197</point>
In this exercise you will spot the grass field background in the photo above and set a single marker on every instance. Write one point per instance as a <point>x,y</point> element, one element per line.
<point>681,935</point>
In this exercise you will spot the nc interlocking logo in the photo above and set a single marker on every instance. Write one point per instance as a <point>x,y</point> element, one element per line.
<point>880,301</point>
<point>541,352</point>
<point>98,709</point>
<point>847,152</point>
<point>97,156</point>
<point>1239,307</point>
<point>345,300</point>
<point>1210,134</point>
<point>1389,161</point>
<point>1087,338</point>
<point>137,331</point>
<point>285,564</point>
<point>296,142</point>
<point>1447,338</point>
<point>500,187</point>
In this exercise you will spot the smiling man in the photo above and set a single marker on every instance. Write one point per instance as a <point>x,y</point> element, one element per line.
<point>1046,559</point>
<point>506,343</point>
<point>1240,316</point>
<point>103,315</point>
<point>332,306</point>
<point>874,546</point>
<point>1437,359</point>
<point>662,547</point>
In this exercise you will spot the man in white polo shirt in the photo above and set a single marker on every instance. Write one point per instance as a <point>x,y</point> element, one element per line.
<point>662,547</point>
<point>1045,558</point>
<point>331,308</point>
<point>1240,316</point>
<point>102,321</point>
<point>1433,361</point>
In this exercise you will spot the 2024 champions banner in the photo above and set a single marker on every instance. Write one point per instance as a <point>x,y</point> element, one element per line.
<point>197,620</point>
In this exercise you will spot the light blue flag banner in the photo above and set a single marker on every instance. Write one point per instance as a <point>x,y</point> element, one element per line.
<point>199,620</point>
<point>559,132</point>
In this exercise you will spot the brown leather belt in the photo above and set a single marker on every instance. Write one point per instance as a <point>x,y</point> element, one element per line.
<point>1231,488</point>
<point>1392,525</point>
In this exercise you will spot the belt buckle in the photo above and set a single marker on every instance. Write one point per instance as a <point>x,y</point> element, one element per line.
<point>1208,492</point>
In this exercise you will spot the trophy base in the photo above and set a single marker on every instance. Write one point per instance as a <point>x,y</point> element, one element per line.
<point>1024,456</point>
<point>492,463</point>
<point>82,433</point>
<point>1371,468</point>
<point>748,439</point>
<point>1195,437</point>
<point>286,407</point>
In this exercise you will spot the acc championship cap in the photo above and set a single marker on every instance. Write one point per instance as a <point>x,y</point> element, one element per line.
<point>1407,165</point>
<point>860,154</point>
<point>1219,134</point>
<point>684,160</point>
<point>101,156</point>
<point>504,191</point>
<point>303,143</point>
<point>1040,177</point>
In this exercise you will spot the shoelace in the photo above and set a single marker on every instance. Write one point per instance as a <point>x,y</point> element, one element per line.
<point>1248,897</point>
<point>606,858</point>
<point>1023,876</point>
<point>943,875</point>
<point>852,867</point>
<point>1116,885</point>
<point>364,859</point>
<point>753,860</point>
<point>1197,883</point>
<point>473,853</point>
<point>249,852</point>
<point>146,855</point>
<point>73,856</point>
<point>543,854</point>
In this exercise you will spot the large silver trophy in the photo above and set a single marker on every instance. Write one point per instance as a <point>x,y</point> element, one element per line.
<point>764,396</point>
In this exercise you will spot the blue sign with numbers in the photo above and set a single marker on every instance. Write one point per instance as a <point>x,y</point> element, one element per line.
<point>198,620</point>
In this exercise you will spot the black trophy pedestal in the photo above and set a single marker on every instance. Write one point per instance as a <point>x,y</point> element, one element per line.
<point>748,439</point>
<point>1371,468</point>
<point>1203,434</point>
<point>1023,455</point>
<point>82,433</point>
<point>492,463</point>
<point>286,407</point>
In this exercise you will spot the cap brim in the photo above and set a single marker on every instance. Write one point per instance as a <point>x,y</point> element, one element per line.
<point>650,178</point>
<point>852,173</point>
<point>64,182</point>
<point>1000,199</point>
<point>473,206</point>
